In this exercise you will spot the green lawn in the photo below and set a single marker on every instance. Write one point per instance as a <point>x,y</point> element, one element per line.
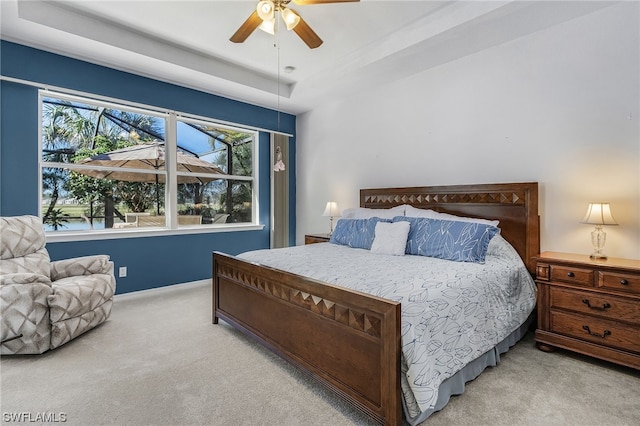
<point>76,210</point>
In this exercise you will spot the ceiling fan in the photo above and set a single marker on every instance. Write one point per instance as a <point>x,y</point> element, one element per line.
<point>264,17</point>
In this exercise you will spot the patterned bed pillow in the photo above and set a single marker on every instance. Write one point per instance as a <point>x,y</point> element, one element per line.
<point>356,233</point>
<point>448,239</point>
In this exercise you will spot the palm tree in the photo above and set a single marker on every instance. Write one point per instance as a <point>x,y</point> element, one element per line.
<point>72,132</point>
<point>239,162</point>
<point>61,125</point>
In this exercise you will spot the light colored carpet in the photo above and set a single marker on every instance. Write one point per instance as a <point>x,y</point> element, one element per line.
<point>159,361</point>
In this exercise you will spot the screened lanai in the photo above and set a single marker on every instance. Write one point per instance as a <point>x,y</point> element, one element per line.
<point>108,166</point>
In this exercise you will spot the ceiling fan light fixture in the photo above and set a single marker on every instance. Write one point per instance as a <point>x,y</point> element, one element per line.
<point>264,17</point>
<point>266,10</point>
<point>268,26</point>
<point>290,18</point>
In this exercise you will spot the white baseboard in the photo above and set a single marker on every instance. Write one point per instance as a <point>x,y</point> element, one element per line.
<point>162,290</point>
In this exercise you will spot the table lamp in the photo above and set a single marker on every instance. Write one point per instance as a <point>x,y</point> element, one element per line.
<point>331,210</point>
<point>599,214</point>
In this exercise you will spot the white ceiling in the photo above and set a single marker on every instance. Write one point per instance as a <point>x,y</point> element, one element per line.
<point>366,43</point>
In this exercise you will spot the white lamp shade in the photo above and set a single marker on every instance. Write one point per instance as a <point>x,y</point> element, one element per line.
<point>599,214</point>
<point>266,10</point>
<point>331,209</point>
<point>290,18</point>
<point>268,26</point>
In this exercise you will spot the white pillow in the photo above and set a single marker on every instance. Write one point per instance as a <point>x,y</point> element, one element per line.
<point>391,238</point>
<point>411,211</point>
<point>365,213</point>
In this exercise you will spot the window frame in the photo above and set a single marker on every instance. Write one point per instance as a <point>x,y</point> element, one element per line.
<point>170,171</point>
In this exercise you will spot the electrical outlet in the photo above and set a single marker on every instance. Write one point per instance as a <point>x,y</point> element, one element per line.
<point>122,272</point>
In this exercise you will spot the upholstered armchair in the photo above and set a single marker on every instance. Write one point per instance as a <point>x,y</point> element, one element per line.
<point>45,304</point>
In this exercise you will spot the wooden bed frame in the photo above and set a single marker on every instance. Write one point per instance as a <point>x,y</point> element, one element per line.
<point>348,340</point>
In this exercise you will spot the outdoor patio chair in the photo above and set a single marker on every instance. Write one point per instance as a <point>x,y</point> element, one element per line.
<point>133,217</point>
<point>161,220</point>
<point>151,221</point>
<point>45,304</point>
<point>220,218</point>
<point>193,219</point>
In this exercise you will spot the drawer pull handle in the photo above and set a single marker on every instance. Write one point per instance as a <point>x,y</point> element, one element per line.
<point>571,274</point>
<point>602,336</point>
<point>604,306</point>
<point>624,282</point>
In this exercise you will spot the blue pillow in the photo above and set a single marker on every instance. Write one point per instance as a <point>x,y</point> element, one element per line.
<point>356,233</point>
<point>448,239</point>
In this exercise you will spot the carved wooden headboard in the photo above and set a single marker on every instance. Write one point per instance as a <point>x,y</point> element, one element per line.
<point>515,205</point>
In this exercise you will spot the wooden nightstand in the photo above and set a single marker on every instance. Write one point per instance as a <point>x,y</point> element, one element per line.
<point>588,306</point>
<point>316,238</point>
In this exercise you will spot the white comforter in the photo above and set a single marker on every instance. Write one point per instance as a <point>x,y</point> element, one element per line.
<point>452,312</point>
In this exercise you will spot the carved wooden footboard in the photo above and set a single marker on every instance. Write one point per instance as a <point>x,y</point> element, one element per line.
<point>347,340</point>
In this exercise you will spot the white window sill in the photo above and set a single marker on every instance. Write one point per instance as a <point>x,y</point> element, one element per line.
<point>111,234</point>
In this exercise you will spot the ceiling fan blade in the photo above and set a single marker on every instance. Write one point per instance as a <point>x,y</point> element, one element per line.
<point>247,28</point>
<point>303,2</point>
<point>305,32</point>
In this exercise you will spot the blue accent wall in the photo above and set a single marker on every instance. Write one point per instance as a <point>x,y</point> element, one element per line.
<point>151,261</point>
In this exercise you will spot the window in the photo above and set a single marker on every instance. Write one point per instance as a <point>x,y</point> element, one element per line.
<point>110,167</point>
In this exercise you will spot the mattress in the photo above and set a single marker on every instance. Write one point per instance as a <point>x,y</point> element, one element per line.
<point>452,312</point>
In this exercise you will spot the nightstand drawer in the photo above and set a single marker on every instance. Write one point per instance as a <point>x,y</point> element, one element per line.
<point>596,330</point>
<point>569,274</point>
<point>592,303</point>
<point>619,281</point>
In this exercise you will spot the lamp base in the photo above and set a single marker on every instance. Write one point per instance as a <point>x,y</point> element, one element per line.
<point>598,238</point>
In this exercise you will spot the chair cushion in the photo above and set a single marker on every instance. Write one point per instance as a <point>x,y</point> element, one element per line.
<point>21,235</point>
<point>23,278</point>
<point>34,263</point>
<point>22,249</point>
<point>75,296</point>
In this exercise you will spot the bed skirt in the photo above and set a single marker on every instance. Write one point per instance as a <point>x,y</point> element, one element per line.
<point>455,384</point>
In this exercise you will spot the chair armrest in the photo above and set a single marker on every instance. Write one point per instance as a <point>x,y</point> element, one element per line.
<point>77,266</point>
<point>24,278</point>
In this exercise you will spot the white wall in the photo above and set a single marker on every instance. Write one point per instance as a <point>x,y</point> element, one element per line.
<point>559,107</point>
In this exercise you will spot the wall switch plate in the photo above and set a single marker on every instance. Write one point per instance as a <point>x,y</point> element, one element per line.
<point>122,272</point>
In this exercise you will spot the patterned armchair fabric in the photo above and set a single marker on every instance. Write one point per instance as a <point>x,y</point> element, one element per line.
<point>45,304</point>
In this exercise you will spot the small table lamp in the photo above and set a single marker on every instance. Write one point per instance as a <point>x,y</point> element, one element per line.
<point>332,211</point>
<point>599,214</point>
